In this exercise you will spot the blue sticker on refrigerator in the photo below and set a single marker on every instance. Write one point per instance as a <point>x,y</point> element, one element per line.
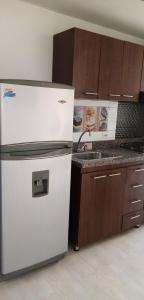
<point>9,92</point>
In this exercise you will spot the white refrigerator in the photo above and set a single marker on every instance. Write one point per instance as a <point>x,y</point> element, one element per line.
<point>36,139</point>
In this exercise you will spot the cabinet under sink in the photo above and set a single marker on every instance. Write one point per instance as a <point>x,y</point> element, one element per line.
<point>105,201</point>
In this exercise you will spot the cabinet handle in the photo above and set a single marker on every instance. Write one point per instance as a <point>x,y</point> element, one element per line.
<point>136,201</point>
<point>116,174</point>
<point>91,93</point>
<point>139,170</point>
<point>128,96</point>
<point>99,177</point>
<point>114,95</point>
<point>137,186</point>
<point>135,217</point>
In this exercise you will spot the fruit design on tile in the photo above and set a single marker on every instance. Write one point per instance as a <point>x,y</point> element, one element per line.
<point>89,117</point>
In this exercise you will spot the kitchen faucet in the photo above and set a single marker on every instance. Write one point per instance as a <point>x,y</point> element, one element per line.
<point>78,148</point>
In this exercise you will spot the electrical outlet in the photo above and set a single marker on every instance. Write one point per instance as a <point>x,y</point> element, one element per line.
<point>88,146</point>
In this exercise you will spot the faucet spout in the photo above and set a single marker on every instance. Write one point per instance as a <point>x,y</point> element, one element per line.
<point>87,130</point>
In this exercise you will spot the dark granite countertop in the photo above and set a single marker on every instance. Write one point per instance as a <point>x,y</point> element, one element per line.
<point>124,156</point>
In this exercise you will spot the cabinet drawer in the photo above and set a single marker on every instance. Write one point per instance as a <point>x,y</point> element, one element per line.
<point>135,176</point>
<point>133,205</point>
<point>134,199</point>
<point>132,219</point>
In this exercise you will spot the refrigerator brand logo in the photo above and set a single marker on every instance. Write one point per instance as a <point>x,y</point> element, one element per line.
<point>62,101</point>
<point>9,92</point>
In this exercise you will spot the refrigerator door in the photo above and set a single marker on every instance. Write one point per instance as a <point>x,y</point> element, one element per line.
<point>33,114</point>
<point>35,209</point>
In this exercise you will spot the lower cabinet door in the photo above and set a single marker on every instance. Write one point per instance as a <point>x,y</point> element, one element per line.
<point>113,206</point>
<point>91,210</point>
<point>101,205</point>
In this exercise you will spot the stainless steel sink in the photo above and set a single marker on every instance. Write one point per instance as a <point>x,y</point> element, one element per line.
<point>95,155</point>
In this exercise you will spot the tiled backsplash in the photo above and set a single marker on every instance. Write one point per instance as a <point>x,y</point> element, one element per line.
<point>130,120</point>
<point>98,116</point>
<point>108,120</point>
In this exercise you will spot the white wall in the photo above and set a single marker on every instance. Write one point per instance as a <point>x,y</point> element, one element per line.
<point>26,33</point>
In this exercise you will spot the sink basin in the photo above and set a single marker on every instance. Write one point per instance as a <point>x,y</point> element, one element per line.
<point>95,155</point>
<point>92,155</point>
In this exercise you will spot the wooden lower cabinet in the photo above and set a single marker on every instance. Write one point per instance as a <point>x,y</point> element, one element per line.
<point>134,198</point>
<point>104,203</point>
<point>99,207</point>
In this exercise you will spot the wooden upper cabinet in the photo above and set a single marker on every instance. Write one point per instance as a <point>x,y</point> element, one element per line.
<point>63,56</point>
<point>86,64</point>
<point>120,70</point>
<point>99,67</point>
<point>142,80</point>
<point>132,71</point>
<point>110,79</point>
<point>76,60</point>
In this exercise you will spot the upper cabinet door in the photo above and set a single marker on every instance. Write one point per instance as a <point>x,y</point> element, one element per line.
<point>110,79</point>
<point>86,64</point>
<point>132,70</point>
<point>142,80</point>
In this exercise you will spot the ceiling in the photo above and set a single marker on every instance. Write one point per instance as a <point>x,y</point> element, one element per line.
<point>123,15</point>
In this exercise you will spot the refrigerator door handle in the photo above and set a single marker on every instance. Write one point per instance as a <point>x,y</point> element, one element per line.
<point>36,146</point>
<point>35,154</point>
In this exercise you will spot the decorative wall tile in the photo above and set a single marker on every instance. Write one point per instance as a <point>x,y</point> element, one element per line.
<point>130,120</point>
<point>90,118</point>
<point>97,116</point>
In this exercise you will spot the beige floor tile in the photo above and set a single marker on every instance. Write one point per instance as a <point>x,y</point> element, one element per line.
<point>108,270</point>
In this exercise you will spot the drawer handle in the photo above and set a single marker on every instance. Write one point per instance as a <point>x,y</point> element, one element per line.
<point>128,96</point>
<point>137,186</point>
<point>99,177</point>
<point>114,95</point>
<point>139,170</point>
<point>135,217</point>
<point>136,201</point>
<point>115,174</point>
<point>91,93</point>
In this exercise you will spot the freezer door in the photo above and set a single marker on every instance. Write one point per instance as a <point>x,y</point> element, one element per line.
<point>35,210</point>
<point>33,114</point>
